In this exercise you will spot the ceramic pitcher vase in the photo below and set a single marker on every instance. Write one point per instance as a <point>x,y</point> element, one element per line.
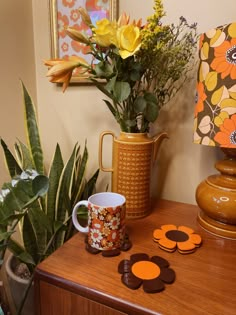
<point>133,155</point>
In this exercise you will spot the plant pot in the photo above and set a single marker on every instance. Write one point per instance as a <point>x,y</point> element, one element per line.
<point>132,160</point>
<point>15,288</point>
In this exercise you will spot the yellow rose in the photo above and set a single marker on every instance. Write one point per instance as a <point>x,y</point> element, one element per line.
<point>129,40</point>
<point>105,33</point>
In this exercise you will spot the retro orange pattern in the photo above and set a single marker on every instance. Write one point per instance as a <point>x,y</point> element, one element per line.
<point>68,15</point>
<point>215,110</point>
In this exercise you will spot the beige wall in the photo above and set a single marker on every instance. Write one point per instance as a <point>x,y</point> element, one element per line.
<point>16,62</point>
<point>80,113</point>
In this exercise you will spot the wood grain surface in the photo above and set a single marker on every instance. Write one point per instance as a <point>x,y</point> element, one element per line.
<point>205,280</point>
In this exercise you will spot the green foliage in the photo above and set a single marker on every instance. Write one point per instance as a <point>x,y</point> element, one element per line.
<point>40,204</point>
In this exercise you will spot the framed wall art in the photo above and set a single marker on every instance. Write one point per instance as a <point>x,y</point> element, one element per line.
<point>64,13</point>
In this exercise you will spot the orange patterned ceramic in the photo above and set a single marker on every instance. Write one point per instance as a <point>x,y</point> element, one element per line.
<point>133,156</point>
<point>106,220</point>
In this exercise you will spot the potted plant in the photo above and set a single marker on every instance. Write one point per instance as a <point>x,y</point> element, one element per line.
<point>139,68</point>
<point>40,205</point>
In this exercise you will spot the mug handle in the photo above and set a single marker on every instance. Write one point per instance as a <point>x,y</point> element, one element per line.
<point>74,217</point>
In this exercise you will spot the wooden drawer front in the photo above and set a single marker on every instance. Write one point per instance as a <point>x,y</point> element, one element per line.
<point>57,301</point>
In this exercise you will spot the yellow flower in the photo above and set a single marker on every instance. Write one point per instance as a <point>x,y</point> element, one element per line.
<point>105,33</point>
<point>129,40</point>
<point>60,70</point>
<point>76,35</point>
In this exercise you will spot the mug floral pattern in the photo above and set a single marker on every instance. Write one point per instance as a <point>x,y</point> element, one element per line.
<point>106,227</point>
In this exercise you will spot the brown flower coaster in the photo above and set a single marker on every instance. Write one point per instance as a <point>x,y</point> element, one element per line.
<point>109,253</point>
<point>152,272</point>
<point>169,238</point>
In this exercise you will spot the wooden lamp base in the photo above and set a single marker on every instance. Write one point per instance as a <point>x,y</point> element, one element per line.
<point>216,197</point>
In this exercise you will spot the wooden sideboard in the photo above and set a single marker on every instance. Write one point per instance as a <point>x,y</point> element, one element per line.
<point>74,282</point>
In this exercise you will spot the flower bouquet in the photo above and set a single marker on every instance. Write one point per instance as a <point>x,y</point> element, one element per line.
<point>136,66</point>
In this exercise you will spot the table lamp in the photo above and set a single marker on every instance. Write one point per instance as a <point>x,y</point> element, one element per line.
<point>215,125</point>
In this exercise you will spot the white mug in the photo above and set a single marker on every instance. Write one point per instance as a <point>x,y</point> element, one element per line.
<point>106,220</point>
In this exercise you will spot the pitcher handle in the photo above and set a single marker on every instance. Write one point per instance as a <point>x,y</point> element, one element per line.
<point>157,140</point>
<point>102,135</point>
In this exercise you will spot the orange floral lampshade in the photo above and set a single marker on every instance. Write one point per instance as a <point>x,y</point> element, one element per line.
<point>215,111</point>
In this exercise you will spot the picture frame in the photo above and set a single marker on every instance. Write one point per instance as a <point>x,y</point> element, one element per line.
<point>65,13</point>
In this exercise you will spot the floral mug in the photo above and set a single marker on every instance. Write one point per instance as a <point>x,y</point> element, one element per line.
<point>106,220</point>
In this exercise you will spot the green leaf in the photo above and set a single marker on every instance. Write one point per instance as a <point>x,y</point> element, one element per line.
<point>112,109</point>
<point>32,132</point>
<point>6,235</point>
<point>121,91</point>
<point>63,202</point>
<point>29,238</point>
<point>26,258</point>
<point>90,186</point>
<point>152,107</point>
<point>55,171</point>
<point>140,104</point>
<point>18,251</point>
<point>101,87</point>
<point>111,84</point>
<point>40,185</point>
<point>150,98</point>
<point>151,112</point>
<point>12,165</point>
<point>23,155</point>
<point>79,178</point>
<point>103,70</point>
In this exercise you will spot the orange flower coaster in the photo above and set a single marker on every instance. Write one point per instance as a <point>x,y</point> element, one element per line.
<point>152,273</point>
<point>169,238</point>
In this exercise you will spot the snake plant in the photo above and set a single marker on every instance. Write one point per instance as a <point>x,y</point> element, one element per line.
<point>44,213</point>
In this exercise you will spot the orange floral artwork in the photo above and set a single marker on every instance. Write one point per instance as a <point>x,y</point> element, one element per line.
<point>170,237</point>
<point>215,110</point>
<point>65,14</point>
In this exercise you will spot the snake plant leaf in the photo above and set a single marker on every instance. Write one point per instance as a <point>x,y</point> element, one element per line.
<point>12,165</point>
<point>41,227</point>
<point>32,132</point>
<point>29,238</point>
<point>90,186</point>
<point>23,156</point>
<point>5,235</point>
<point>63,202</point>
<point>9,220</point>
<point>57,226</point>
<point>18,250</point>
<point>79,174</point>
<point>55,171</point>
